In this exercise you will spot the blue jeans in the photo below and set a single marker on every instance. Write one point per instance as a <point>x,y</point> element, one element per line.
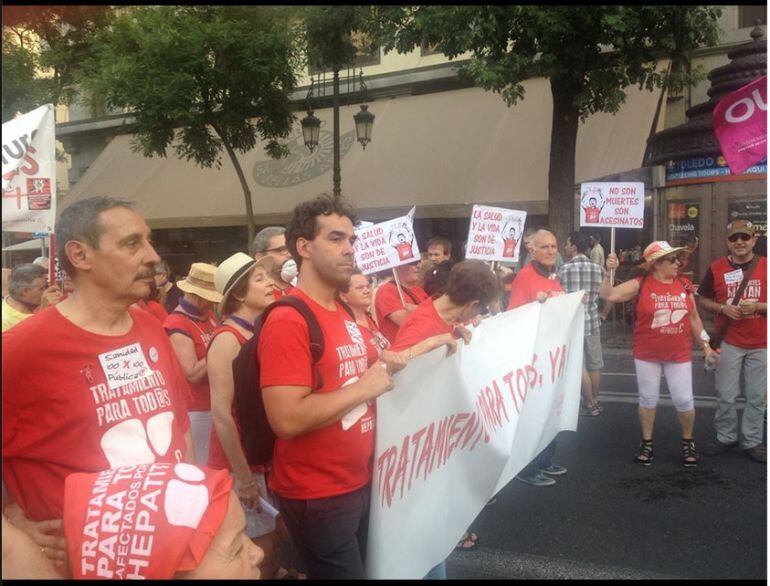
<point>330,533</point>
<point>543,460</point>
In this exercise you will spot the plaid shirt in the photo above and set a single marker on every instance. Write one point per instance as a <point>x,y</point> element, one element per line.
<point>581,274</point>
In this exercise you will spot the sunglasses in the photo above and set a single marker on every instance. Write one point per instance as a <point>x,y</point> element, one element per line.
<point>673,259</point>
<point>739,236</point>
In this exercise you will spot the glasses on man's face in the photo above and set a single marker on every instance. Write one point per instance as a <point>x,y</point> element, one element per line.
<point>277,249</point>
<point>739,236</point>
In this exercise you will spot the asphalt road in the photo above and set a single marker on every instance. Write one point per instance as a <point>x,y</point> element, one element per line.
<point>611,518</point>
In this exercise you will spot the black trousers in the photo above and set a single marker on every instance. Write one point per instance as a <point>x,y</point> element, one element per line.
<point>330,533</point>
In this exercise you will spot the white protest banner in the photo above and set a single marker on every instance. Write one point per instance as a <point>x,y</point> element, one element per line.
<point>29,172</point>
<point>386,245</point>
<point>612,205</point>
<point>455,430</point>
<point>495,234</point>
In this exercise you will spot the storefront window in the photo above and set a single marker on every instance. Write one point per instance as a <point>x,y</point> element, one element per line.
<point>683,230</point>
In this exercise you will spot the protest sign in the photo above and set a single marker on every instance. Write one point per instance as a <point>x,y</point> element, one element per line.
<point>612,205</point>
<point>495,234</point>
<point>740,123</point>
<point>455,430</point>
<point>386,245</point>
<point>29,172</point>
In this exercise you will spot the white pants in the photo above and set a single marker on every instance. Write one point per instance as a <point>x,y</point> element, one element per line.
<point>678,377</point>
<point>200,426</point>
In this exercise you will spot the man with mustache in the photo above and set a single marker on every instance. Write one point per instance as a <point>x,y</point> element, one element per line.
<point>322,413</point>
<point>90,383</point>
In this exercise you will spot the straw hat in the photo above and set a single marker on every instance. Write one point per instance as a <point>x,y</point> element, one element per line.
<point>656,251</point>
<point>233,269</point>
<point>200,282</point>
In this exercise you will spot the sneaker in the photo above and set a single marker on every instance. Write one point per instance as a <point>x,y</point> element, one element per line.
<point>757,453</point>
<point>536,480</point>
<point>717,448</point>
<point>554,470</point>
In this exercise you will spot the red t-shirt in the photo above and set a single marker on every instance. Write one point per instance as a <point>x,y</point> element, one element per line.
<point>662,330</point>
<point>199,331</point>
<point>424,322</point>
<point>404,251</point>
<point>278,293</point>
<point>336,459</point>
<point>748,332</point>
<point>373,336</point>
<point>153,308</point>
<point>387,301</point>
<point>592,215</point>
<point>509,247</point>
<point>61,413</point>
<point>528,283</point>
<point>217,457</point>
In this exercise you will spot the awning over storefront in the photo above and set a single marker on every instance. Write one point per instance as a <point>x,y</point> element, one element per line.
<point>26,245</point>
<point>440,151</point>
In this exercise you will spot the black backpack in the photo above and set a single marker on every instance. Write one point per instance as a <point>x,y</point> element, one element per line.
<point>257,436</point>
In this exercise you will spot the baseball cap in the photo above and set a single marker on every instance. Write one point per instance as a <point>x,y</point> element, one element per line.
<point>740,227</point>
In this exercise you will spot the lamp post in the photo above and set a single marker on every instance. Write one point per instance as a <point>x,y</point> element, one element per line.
<point>311,126</point>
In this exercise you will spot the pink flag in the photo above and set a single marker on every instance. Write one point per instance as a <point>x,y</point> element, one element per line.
<point>740,123</point>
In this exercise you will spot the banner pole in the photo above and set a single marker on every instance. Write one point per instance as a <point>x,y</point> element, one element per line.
<point>398,286</point>
<point>612,251</point>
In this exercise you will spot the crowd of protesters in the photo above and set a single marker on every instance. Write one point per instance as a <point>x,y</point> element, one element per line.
<point>127,428</point>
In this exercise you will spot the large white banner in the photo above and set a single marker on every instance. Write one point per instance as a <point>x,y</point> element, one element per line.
<point>495,234</point>
<point>455,430</point>
<point>386,245</point>
<point>29,172</point>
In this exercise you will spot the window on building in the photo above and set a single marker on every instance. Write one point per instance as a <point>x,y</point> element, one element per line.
<point>749,15</point>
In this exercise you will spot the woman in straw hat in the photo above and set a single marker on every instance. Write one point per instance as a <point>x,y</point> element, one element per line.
<point>247,288</point>
<point>666,317</point>
<point>189,327</point>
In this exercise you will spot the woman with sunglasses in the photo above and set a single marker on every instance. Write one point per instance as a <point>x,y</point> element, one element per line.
<point>666,317</point>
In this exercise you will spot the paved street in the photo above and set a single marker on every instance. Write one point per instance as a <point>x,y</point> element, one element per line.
<point>611,518</point>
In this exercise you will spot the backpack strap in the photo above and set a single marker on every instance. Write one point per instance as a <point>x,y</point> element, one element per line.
<point>313,328</point>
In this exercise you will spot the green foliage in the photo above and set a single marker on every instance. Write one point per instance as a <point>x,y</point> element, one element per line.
<point>591,53</point>
<point>328,31</point>
<point>43,48</point>
<point>197,68</point>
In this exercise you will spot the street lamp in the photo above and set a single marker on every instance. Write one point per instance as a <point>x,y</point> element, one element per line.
<point>364,119</point>
<point>311,125</point>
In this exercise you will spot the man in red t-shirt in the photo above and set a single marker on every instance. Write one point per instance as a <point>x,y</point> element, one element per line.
<point>391,312</point>
<point>744,349</point>
<point>537,282</point>
<point>322,414</point>
<point>90,383</point>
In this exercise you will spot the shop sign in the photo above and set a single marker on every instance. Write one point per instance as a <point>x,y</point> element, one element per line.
<point>754,210</point>
<point>683,223</point>
<point>702,167</point>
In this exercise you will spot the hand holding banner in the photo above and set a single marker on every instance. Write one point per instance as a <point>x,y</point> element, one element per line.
<point>457,429</point>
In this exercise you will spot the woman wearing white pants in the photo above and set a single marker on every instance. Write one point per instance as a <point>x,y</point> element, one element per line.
<point>666,317</point>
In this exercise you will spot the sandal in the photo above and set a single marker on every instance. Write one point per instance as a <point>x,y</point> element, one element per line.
<point>689,455</point>
<point>468,542</point>
<point>644,455</point>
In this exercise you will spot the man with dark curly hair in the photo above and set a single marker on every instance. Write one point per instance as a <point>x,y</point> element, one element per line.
<point>322,412</point>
